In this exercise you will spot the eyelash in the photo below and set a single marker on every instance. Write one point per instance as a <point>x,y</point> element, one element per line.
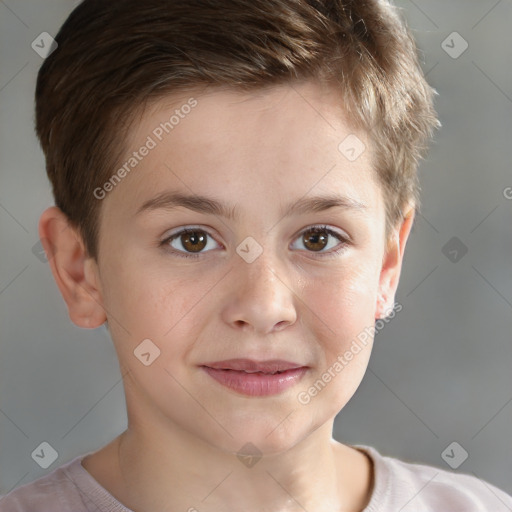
<point>319,228</point>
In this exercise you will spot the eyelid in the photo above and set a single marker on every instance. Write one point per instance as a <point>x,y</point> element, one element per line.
<point>326,227</point>
<point>183,229</point>
<point>343,237</point>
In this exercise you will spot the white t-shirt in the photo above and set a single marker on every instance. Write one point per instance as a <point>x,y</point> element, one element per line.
<point>398,486</point>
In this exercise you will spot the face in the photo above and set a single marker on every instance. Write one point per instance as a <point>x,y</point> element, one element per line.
<point>258,284</point>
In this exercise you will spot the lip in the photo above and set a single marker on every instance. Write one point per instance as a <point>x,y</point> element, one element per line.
<point>249,365</point>
<point>256,378</point>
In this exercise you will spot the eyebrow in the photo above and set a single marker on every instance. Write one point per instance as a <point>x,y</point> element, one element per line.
<point>170,200</point>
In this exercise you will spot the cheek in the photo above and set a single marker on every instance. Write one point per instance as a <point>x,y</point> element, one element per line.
<point>344,300</point>
<point>344,307</point>
<point>344,317</point>
<point>138,303</point>
<point>158,304</point>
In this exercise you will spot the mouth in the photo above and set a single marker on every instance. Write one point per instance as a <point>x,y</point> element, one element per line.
<point>256,378</point>
<point>269,367</point>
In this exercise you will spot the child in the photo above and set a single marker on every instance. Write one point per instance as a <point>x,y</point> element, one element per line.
<point>235,183</point>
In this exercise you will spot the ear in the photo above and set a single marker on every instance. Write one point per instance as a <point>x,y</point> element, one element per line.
<point>392,265</point>
<point>76,274</point>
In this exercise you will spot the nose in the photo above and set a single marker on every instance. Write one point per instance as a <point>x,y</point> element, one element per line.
<point>262,298</point>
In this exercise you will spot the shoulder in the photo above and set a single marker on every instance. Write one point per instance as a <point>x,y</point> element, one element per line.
<point>408,487</point>
<point>53,492</point>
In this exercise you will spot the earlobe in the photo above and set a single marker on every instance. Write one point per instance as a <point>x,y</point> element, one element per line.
<point>392,265</point>
<point>75,274</point>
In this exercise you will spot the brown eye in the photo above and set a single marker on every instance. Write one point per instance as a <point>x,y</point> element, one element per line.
<point>315,239</point>
<point>193,241</point>
<point>188,243</point>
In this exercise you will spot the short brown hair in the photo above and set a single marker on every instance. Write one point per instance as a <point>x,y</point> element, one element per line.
<point>113,57</point>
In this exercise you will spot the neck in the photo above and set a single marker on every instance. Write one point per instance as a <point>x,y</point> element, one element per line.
<point>182,472</point>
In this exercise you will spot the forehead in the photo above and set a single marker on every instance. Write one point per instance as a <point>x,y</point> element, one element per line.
<point>279,143</point>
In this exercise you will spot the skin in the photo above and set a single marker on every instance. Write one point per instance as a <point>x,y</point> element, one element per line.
<point>260,152</point>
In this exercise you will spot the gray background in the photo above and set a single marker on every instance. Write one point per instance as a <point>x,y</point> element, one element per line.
<point>440,371</point>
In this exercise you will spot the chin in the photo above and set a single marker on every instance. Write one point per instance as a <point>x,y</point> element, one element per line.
<point>262,437</point>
